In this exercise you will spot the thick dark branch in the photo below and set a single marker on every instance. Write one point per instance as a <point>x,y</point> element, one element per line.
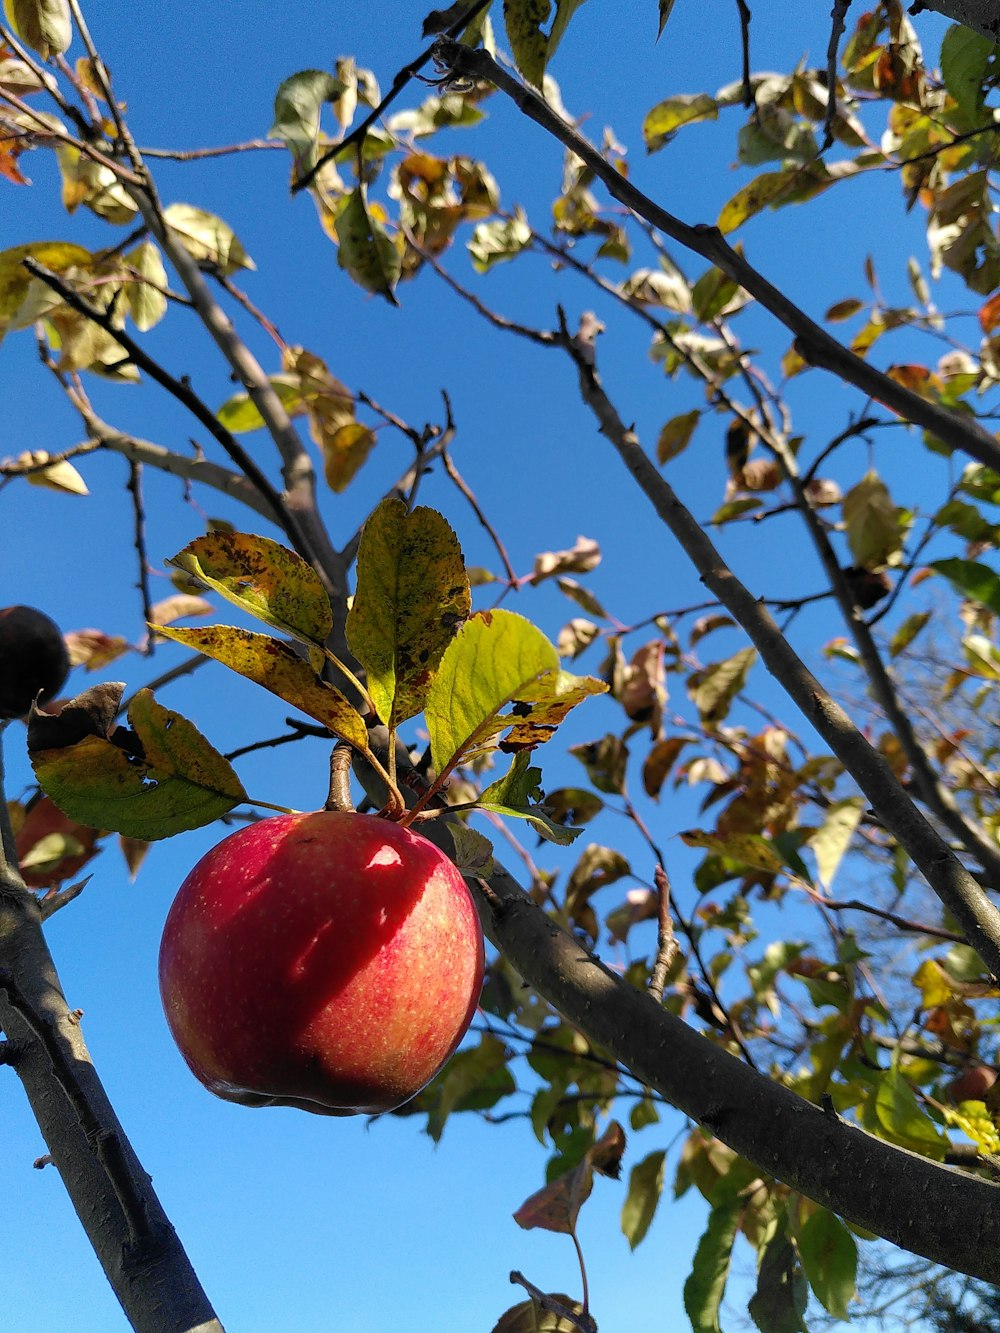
<point>948,1217</point>
<point>815,344</point>
<point>112,1194</point>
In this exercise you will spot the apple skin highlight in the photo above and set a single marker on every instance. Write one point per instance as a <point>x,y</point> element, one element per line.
<point>329,961</point>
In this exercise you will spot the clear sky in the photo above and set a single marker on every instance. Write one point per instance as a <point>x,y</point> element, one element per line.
<point>295,1222</point>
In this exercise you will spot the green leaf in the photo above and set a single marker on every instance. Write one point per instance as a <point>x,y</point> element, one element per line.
<point>903,1119</point>
<point>748,849</point>
<point>832,839</point>
<point>207,238</point>
<point>665,7</point>
<point>773,189</point>
<point>714,689</point>
<point>523,20</point>
<point>364,251</point>
<point>666,118</point>
<point>45,25</point>
<point>518,795</point>
<point>180,782</point>
<point>706,1284</point>
<point>874,531</point>
<point>412,596</point>
<point>779,1303</point>
<point>240,414</point>
<point>297,107</point>
<point>278,668</point>
<point>529,1317</point>
<point>977,581</point>
<point>565,9</point>
<point>907,632</point>
<point>829,1256</point>
<point>645,1185</point>
<point>261,576</point>
<point>474,1079</point>
<point>675,436</point>
<point>712,293</point>
<point>495,658</point>
<point>494,242</point>
<point>146,302</point>
<point>965,58</point>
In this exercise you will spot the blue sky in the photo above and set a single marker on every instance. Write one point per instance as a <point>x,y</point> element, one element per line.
<point>294,1221</point>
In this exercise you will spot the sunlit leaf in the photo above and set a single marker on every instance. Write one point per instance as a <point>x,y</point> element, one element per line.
<point>494,658</point>
<point>278,668</point>
<point>266,579</point>
<point>57,256</point>
<point>666,118</point>
<point>207,238</point>
<point>146,300</point>
<point>412,596</point>
<point>644,1189</point>
<point>364,250</point>
<point>59,476</point>
<point>178,782</point>
<point>45,25</point>
<point>829,1256</point>
<point>297,107</point>
<point>832,839</point>
<point>344,450</point>
<point>493,242</point>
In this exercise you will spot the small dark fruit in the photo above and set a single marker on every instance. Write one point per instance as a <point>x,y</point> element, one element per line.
<point>33,659</point>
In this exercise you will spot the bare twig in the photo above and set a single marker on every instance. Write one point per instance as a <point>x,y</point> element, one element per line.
<point>838,16</point>
<point>745,17</point>
<point>180,390</point>
<point>666,940</point>
<point>139,528</point>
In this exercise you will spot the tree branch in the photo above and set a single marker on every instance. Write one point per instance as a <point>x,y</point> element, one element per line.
<point>113,1196</point>
<point>816,346</point>
<point>955,886</point>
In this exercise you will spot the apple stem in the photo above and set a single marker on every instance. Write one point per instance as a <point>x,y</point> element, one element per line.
<point>340,778</point>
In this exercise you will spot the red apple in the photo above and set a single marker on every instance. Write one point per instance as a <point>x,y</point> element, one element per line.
<point>330,961</point>
<point>33,659</point>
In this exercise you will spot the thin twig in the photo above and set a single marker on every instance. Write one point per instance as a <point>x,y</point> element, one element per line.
<point>459,480</point>
<point>179,389</point>
<point>402,78</point>
<point>838,16</point>
<point>139,541</point>
<point>666,940</point>
<point>817,346</point>
<point>745,17</point>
